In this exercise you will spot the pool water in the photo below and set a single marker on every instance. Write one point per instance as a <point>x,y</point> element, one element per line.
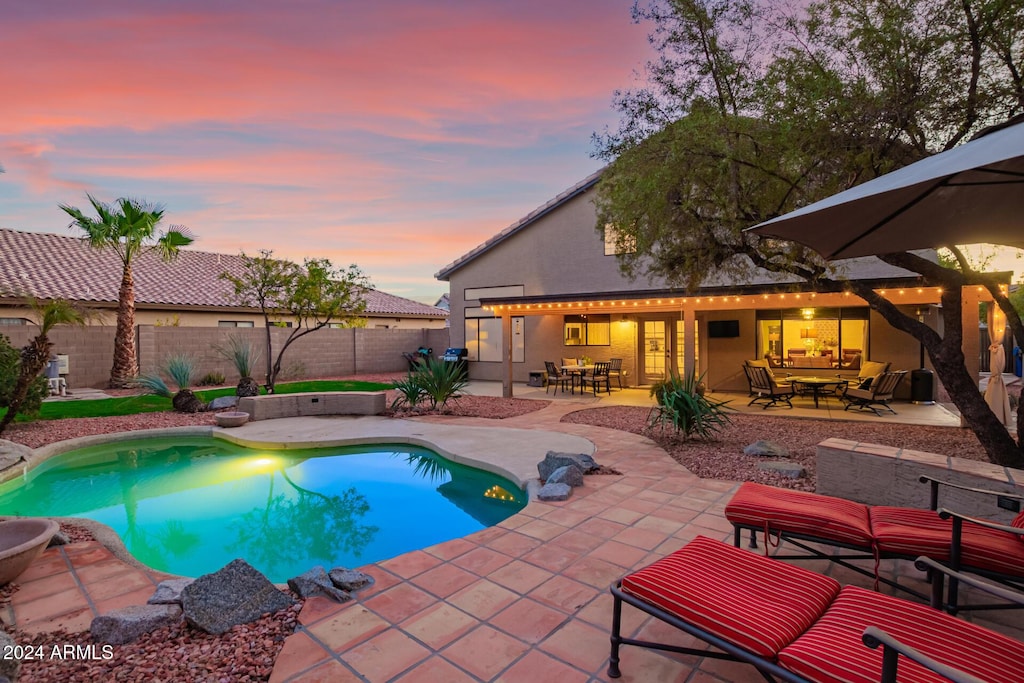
<point>190,505</point>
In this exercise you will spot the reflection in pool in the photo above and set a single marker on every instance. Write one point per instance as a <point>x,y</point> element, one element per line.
<point>190,505</point>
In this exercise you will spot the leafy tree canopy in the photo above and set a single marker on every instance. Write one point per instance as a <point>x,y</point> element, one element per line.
<point>753,109</point>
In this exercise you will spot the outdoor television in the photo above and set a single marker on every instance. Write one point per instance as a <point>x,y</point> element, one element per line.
<point>723,328</point>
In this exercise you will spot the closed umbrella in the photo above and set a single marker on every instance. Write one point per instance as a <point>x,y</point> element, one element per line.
<point>970,194</point>
<point>995,393</point>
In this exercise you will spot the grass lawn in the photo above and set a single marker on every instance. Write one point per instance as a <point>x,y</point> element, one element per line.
<point>132,405</point>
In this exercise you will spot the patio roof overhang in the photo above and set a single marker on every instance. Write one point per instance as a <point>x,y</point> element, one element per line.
<point>902,291</point>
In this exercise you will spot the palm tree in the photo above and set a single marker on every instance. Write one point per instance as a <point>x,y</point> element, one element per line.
<point>129,227</point>
<point>36,354</point>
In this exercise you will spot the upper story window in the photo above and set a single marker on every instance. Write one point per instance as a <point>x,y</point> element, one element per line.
<point>235,323</point>
<point>13,321</point>
<point>616,242</point>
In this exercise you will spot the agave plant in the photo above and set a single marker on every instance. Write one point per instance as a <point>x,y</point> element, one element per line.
<point>410,392</point>
<point>441,381</point>
<point>181,369</point>
<point>683,406</point>
<point>243,354</point>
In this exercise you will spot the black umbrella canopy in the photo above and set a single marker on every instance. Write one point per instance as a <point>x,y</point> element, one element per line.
<point>970,194</point>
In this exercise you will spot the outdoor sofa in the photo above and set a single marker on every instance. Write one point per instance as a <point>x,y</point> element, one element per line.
<point>798,626</point>
<point>963,543</point>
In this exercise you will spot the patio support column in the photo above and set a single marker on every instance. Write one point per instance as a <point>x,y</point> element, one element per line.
<point>971,340</point>
<point>506,354</point>
<point>689,343</point>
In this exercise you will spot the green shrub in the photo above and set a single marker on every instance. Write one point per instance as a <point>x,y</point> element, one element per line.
<point>10,369</point>
<point>683,406</point>
<point>433,381</point>
<point>410,392</point>
<point>212,379</point>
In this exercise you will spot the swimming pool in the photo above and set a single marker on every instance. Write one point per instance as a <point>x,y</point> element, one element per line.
<point>190,505</point>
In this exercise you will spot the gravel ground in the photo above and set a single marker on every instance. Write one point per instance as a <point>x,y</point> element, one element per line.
<point>724,458</point>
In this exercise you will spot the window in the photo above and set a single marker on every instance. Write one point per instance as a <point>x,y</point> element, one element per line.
<point>485,342</point>
<point>235,323</point>
<point>617,243</point>
<point>821,337</point>
<point>13,321</point>
<point>587,330</point>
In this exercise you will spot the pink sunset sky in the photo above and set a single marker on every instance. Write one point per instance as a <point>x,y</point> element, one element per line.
<point>395,135</point>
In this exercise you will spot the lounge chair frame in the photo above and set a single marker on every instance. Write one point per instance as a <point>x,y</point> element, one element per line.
<point>951,602</point>
<point>872,637</point>
<point>766,390</point>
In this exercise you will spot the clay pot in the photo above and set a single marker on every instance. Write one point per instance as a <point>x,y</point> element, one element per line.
<point>231,419</point>
<point>21,541</point>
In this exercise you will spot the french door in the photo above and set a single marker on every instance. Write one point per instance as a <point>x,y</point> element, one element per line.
<point>661,344</point>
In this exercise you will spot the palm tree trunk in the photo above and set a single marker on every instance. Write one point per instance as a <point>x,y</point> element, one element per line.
<point>126,366</point>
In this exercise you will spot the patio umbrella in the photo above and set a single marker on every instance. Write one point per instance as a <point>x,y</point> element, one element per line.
<point>995,393</point>
<point>970,194</point>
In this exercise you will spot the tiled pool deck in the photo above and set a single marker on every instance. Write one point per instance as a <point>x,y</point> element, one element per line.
<point>524,601</point>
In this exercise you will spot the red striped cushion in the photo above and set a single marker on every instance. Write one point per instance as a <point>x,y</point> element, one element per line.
<point>754,602</point>
<point>800,512</point>
<point>912,532</point>
<point>832,650</point>
<point>992,549</point>
<point>1018,522</point>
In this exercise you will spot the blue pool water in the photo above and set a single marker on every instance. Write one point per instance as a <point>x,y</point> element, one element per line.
<point>190,505</point>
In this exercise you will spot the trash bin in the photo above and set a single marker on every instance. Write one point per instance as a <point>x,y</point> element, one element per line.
<point>53,368</point>
<point>922,387</point>
<point>1017,360</point>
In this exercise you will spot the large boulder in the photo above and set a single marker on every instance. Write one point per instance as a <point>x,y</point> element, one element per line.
<point>128,623</point>
<point>168,592</point>
<point>349,579</point>
<point>554,492</point>
<point>236,594</point>
<point>222,403</point>
<point>553,460</point>
<point>784,468</point>
<point>316,583</point>
<point>568,474</point>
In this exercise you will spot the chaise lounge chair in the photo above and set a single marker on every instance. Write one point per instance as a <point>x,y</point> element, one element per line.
<point>797,626</point>
<point>765,389</point>
<point>879,393</point>
<point>965,544</point>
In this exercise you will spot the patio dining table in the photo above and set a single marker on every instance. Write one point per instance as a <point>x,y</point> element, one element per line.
<point>577,372</point>
<point>817,385</point>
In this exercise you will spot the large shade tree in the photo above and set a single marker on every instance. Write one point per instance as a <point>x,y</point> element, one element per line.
<point>128,227</point>
<point>752,110</point>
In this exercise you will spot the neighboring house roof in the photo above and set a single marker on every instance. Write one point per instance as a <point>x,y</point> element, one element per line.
<point>521,224</point>
<point>49,266</point>
<point>443,302</point>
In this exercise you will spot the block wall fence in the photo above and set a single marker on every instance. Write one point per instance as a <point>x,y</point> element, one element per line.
<point>324,353</point>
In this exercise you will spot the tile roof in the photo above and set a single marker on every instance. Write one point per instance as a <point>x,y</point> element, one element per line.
<point>51,266</point>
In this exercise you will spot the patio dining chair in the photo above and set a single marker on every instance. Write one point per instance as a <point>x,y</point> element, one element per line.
<point>765,389</point>
<point>615,371</point>
<point>598,377</point>
<point>879,393</point>
<point>555,377</point>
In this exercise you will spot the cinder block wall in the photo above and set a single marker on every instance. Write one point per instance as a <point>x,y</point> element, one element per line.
<point>324,353</point>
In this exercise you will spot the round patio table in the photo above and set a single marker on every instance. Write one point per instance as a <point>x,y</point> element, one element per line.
<point>817,385</point>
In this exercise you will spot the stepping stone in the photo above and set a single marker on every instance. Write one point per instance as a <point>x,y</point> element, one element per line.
<point>786,468</point>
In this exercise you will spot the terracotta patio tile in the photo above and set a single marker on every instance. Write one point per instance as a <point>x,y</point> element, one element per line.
<point>714,522</point>
<point>484,652</point>
<point>568,517</point>
<point>528,620</point>
<point>347,628</point>
<point>436,670</point>
<point>119,584</point>
<point>661,525</point>
<point>482,561</point>
<point>483,599</point>
<point>734,672</point>
<point>579,541</point>
<point>135,597</point>
<point>641,538</point>
<point>74,621</point>
<point>102,570</point>
<point>520,576</point>
<point>410,564</point>
<point>45,565</point>
<point>83,556</point>
<point>653,495</point>
<point>485,536</point>
<point>542,529</point>
<point>444,580</point>
<point>599,613</point>
<point>331,671</point>
<point>514,522</point>
<point>400,602</point>
<point>564,594</point>
<point>594,572</point>
<point>439,625</point>
<point>590,507</point>
<point>638,664</point>
<point>620,554</point>
<point>386,655</point>
<point>513,544</point>
<point>552,557</point>
<point>50,585</point>
<point>537,667</point>
<point>579,644</point>
<point>299,653</point>
<point>602,528</point>
<point>623,515</point>
<point>382,580</point>
<point>317,608</point>
<point>450,549</point>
